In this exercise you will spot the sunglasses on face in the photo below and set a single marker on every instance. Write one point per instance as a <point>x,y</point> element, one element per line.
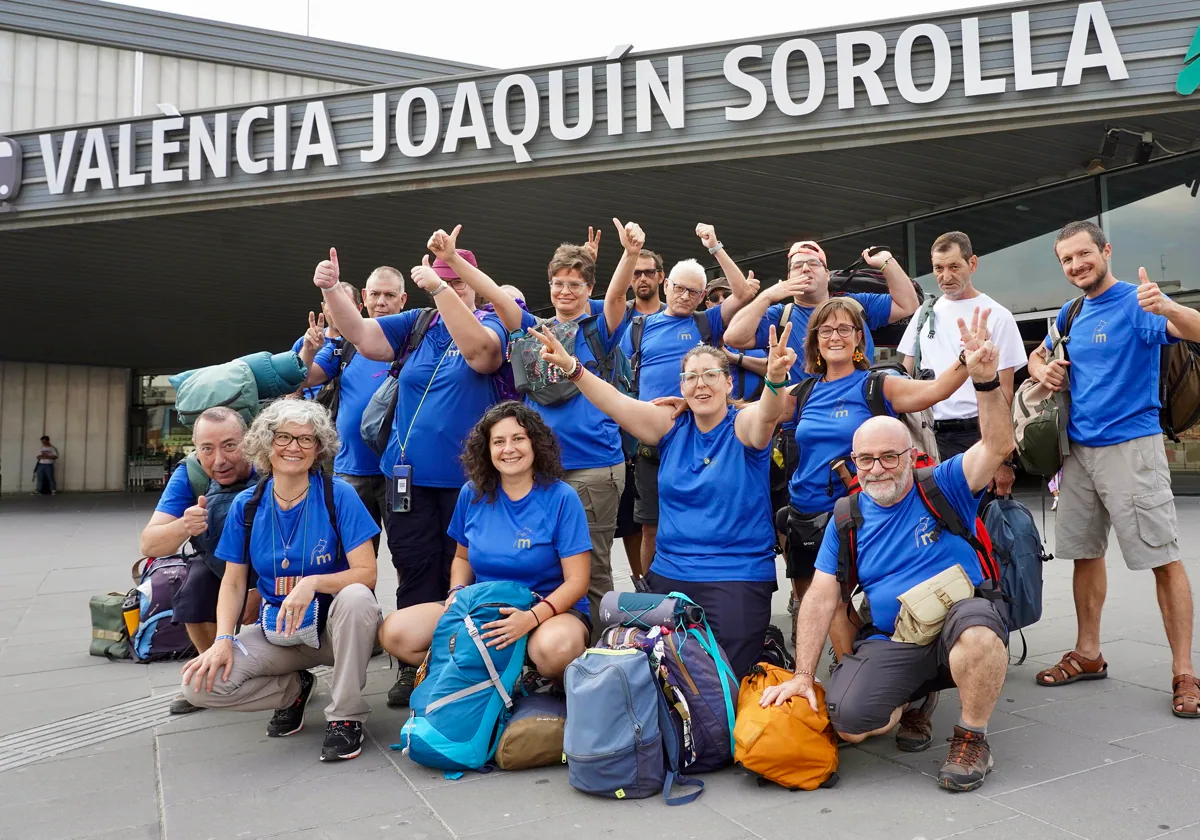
<point>718,296</point>
<point>650,273</point>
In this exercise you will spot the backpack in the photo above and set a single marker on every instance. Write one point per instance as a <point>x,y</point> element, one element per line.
<point>197,478</point>
<point>231,384</point>
<point>1017,547</point>
<point>330,394</point>
<point>1040,415</point>
<point>380,411</point>
<point>542,382</point>
<point>156,638</point>
<point>919,423</point>
<point>638,326</point>
<point>619,739</point>
<point>700,685</point>
<point>219,499</point>
<point>860,278</point>
<point>790,745</point>
<point>534,734</point>
<point>459,711</point>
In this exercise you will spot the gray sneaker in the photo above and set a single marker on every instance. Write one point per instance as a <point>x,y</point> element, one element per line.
<point>180,706</point>
<point>970,760</point>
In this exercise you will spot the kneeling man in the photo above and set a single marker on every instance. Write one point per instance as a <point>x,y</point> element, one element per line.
<point>873,687</point>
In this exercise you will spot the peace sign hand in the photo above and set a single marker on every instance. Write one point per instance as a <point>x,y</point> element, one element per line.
<point>444,245</point>
<point>780,356</point>
<point>593,243</point>
<point>553,351</point>
<point>314,337</point>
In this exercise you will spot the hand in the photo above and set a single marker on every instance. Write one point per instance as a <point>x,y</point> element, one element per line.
<point>291,611</point>
<point>786,290</point>
<point>314,336</point>
<point>327,273</point>
<point>444,245</point>
<point>752,286</point>
<point>515,625</point>
<point>425,277</point>
<point>1150,297</point>
<point>707,234</point>
<point>801,685</point>
<point>878,260</point>
<point>553,351</point>
<point>202,671</point>
<point>1003,481</point>
<point>1054,375</point>
<point>678,404</point>
<point>780,357</point>
<point>632,237</point>
<point>977,334</point>
<point>593,243</point>
<point>195,518</point>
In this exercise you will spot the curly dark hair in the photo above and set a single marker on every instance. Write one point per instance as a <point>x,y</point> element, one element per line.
<point>477,451</point>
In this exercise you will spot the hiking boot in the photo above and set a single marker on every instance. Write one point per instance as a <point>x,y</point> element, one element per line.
<point>180,706</point>
<point>916,726</point>
<point>343,740</point>
<point>290,720</point>
<point>969,761</point>
<point>399,693</point>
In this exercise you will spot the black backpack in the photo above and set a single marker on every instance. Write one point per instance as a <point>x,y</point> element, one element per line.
<point>331,392</point>
<point>860,278</point>
<point>377,417</point>
<point>638,326</point>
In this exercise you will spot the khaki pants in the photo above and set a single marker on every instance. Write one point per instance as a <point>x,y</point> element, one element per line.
<point>600,490</point>
<point>266,676</point>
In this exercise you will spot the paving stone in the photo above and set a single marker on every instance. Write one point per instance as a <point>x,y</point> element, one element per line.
<point>411,824</point>
<point>1173,743</point>
<point>651,818</point>
<point>67,814</point>
<point>1109,714</point>
<point>502,799</point>
<point>81,774</point>
<point>1127,800</point>
<point>1026,828</point>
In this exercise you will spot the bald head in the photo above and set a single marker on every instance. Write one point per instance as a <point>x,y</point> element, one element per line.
<point>876,440</point>
<point>882,434</point>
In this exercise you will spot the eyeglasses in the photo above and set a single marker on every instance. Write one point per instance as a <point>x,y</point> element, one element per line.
<point>284,439</point>
<point>572,286</point>
<point>811,265</point>
<point>639,273</point>
<point>711,378</point>
<point>718,296</point>
<point>844,330</point>
<point>889,460</point>
<point>456,283</point>
<point>686,292</point>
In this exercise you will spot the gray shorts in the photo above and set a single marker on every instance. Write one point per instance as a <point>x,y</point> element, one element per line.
<point>882,675</point>
<point>645,475</point>
<point>1126,485</point>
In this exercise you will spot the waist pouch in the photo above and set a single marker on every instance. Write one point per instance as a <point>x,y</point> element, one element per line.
<point>645,450</point>
<point>311,626</point>
<point>806,529</point>
<point>923,609</point>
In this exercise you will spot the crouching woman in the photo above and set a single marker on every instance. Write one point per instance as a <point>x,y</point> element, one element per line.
<point>515,520</point>
<point>310,543</point>
<point>716,542</point>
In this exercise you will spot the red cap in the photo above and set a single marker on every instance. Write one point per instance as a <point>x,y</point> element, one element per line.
<point>446,272</point>
<point>807,246</point>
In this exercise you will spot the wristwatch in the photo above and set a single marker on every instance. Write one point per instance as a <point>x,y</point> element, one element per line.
<point>440,289</point>
<point>715,248</point>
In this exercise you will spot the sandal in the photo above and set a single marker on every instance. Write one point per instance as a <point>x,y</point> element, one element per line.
<point>1187,694</point>
<point>1073,667</point>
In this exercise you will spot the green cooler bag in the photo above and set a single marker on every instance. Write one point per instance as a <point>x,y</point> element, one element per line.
<point>110,637</point>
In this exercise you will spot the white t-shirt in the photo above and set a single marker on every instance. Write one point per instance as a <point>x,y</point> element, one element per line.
<point>941,351</point>
<point>47,454</point>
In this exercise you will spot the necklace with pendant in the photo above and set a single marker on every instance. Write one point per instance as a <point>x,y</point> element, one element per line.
<point>287,543</point>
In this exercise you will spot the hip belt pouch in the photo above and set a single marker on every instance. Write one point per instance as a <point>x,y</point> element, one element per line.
<point>806,529</point>
<point>924,607</point>
<point>310,629</point>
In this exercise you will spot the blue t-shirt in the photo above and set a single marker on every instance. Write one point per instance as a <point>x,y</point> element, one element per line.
<point>360,380</point>
<point>435,411</point>
<point>1115,353</point>
<point>665,341</point>
<point>831,416</point>
<point>895,552</point>
<point>597,308</point>
<point>751,378</point>
<point>177,496</point>
<point>588,437</point>
<point>308,530</point>
<point>309,393</point>
<point>714,505</point>
<point>522,541</point>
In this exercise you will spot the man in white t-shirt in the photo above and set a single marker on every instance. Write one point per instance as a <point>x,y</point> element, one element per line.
<point>956,420</point>
<point>43,470</point>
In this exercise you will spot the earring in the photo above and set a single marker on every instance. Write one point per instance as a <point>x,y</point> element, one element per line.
<point>820,362</point>
<point>859,357</point>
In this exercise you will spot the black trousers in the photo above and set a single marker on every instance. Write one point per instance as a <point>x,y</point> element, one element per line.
<point>956,442</point>
<point>421,550</point>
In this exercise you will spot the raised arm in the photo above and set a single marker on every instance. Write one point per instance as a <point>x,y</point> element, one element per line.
<point>743,290</point>
<point>741,332</point>
<point>981,461</point>
<point>645,421</point>
<point>480,346</point>
<point>364,333</point>
<point>1182,321</point>
<point>755,424</point>
<point>907,395</point>
<point>444,247</point>
<point>314,340</point>
<point>632,242</point>
<point>904,295</point>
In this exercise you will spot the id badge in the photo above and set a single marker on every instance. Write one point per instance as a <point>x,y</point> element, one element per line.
<point>402,488</point>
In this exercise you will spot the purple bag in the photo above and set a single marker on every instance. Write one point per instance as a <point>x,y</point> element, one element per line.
<point>157,638</point>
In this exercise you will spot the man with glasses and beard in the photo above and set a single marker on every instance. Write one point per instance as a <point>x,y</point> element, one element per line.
<point>747,368</point>
<point>898,545</point>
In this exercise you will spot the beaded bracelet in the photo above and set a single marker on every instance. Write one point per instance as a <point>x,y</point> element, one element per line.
<point>576,372</point>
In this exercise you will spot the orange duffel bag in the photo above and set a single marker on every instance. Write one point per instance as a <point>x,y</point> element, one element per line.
<point>791,744</point>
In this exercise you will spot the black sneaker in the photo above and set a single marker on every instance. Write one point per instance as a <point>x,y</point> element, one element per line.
<point>399,693</point>
<point>343,740</point>
<point>289,721</point>
<point>969,762</point>
<point>180,706</point>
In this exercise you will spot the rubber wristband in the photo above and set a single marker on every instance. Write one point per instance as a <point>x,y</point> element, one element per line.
<point>225,636</point>
<point>553,609</point>
<point>535,617</point>
<point>454,589</point>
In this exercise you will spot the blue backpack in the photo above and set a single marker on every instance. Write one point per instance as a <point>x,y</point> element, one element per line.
<point>156,637</point>
<point>619,739</point>
<point>700,686</point>
<point>1017,548</point>
<point>459,710</point>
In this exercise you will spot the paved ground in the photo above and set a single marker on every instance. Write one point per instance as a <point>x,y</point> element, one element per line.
<point>1095,760</point>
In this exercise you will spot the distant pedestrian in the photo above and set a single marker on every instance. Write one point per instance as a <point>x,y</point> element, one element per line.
<point>43,470</point>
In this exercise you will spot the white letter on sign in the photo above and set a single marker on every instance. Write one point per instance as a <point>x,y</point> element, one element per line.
<point>741,79</point>
<point>467,96</point>
<point>316,119</point>
<point>95,161</point>
<point>433,122</point>
<point>780,87</point>
<point>160,148</point>
<point>504,133</point>
<point>1091,16</point>
<point>648,83</point>
<point>558,105</point>
<point>941,64</point>
<point>1026,79</point>
<point>868,71</point>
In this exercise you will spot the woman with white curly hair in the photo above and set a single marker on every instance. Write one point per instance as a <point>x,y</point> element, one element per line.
<point>308,537</point>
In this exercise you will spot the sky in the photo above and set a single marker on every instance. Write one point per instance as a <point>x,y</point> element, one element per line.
<point>522,33</point>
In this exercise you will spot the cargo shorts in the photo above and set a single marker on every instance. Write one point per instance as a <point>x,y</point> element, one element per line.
<point>1126,486</point>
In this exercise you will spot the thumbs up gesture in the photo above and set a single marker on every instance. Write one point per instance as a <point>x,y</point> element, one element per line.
<point>633,238</point>
<point>424,276</point>
<point>195,518</point>
<point>327,273</point>
<point>1150,297</point>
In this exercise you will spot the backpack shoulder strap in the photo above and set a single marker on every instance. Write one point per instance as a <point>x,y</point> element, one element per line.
<point>197,477</point>
<point>802,391</point>
<point>591,334</point>
<point>248,514</point>
<point>785,315</point>
<point>937,504</point>
<point>327,486</point>
<point>636,328</point>
<point>847,517</point>
<point>705,328</point>
<point>1072,314</point>
<point>420,327</point>
<point>348,353</point>
<point>874,393</point>
<point>924,316</point>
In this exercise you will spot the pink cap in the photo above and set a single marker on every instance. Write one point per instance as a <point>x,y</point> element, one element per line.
<point>807,246</point>
<point>446,272</point>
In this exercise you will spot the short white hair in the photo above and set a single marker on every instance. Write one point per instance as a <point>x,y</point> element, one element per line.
<point>688,268</point>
